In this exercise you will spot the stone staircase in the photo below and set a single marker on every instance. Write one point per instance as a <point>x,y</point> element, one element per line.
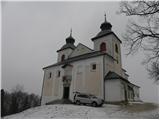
<point>60,101</point>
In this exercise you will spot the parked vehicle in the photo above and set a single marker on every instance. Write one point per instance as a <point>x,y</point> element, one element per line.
<point>81,98</point>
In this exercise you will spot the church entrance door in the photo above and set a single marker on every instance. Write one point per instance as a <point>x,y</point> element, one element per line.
<point>65,92</point>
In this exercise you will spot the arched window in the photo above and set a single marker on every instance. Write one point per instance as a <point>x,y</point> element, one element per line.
<point>103,47</point>
<point>63,57</point>
<point>116,48</point>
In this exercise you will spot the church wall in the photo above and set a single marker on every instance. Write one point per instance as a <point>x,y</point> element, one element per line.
<point>86,80</point>
<point>110,41</point>
<point>136,93</point>
<point>65,52</point>
<point>108,64</point>
<point>117,56</point>
<point>107,40</point>
<point>123,88</point>
<point>112,91</point>
<point>52,88</point>
<point>83,80</point>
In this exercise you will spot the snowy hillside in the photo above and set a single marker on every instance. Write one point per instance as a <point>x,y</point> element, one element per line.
<point>75,111</point>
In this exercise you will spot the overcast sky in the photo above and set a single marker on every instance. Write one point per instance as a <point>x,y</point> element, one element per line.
<point>32,32</point>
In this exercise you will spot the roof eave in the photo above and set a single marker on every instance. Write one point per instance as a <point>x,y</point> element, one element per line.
<point>94,38</point>
<point>105,35</point>
<point>64,49</point>
<point>118,78</point>
<point>70,60</point>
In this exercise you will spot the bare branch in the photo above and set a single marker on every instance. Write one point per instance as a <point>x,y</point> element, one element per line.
<point>143,36</point>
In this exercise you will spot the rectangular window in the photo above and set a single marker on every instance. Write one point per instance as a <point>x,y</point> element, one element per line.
<point>93,67</point>
<point>58,73</point>
<point>49,75</point>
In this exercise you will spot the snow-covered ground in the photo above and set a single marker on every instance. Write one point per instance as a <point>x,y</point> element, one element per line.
<point>75,111</point>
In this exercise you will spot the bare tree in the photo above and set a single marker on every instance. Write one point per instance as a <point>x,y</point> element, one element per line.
<point>143,33</point>
<point>17,101</point>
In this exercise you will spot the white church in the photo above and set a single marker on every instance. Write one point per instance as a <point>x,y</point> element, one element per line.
<point>96,71</point>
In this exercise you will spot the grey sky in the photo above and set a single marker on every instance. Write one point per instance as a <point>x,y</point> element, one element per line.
<point>33,31</point>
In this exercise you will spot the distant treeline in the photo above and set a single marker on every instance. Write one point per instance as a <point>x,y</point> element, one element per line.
<point>17,101</point>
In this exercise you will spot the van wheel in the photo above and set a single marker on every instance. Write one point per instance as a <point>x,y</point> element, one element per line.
<point>78,102</point>
<point>94,104</point>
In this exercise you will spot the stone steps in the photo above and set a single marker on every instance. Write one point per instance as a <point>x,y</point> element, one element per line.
<point>60,101</point>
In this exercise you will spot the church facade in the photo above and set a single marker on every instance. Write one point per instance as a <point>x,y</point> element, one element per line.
<point>96,71</point>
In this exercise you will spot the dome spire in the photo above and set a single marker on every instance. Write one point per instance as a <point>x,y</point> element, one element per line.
<point>70,39</point>
<point>105,17</point>
<point>105,25</point>
<point>71,32</point>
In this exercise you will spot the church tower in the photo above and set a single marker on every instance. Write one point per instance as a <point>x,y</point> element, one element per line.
<point>106,41</point>
<point>66,49</point>
<point>101,41</point>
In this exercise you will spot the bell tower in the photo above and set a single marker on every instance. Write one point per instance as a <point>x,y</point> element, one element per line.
<point>107,41</point>
<point>102,39</point>
<point>66,49</point>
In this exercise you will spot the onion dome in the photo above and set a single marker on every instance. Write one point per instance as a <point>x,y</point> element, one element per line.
<point>106,25</point>
<point>105,29</point>
<point>70,39</point>
<point>69,43</point>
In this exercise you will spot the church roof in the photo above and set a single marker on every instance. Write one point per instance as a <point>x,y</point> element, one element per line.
<point>68,45</point>
<point>82,49</point>
<point>112,75</point>
<point>104,33</point>
<point>80,57</point>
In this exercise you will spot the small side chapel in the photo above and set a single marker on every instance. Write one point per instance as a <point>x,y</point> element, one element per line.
<point>96,71</point>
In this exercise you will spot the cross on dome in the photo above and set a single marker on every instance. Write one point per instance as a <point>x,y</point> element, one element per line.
<point>105,17</point>
<point>71,32</point>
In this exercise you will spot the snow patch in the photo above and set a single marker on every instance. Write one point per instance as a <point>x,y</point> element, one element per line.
<point>81,112</point>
